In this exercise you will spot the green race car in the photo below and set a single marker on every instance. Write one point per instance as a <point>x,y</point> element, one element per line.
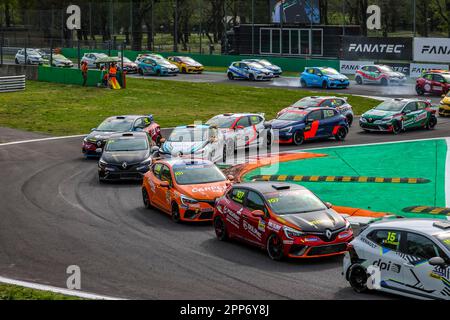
<point>399,115</point>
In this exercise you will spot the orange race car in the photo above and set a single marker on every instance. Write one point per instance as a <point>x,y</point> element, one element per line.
<point>184,188</point>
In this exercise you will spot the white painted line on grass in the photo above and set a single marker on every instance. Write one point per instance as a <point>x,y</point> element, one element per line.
<point>447,175</point>
<point>67,292</point>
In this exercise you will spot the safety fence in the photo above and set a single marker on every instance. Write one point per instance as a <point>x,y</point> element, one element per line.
<point>12,83</point>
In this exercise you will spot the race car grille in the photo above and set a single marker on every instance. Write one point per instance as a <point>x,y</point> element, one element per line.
<point>206,215</point>
<point>297,250</point>
<point>330,249</point>
<point>125,176</point>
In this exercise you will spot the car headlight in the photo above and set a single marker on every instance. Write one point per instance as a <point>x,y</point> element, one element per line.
<point>187,201</point>
<point>286,130</point>
<point>363,119</point>
<point>347,225</point>
<point>102,163</point>
<point>292,233</point>
<point>387,119</point>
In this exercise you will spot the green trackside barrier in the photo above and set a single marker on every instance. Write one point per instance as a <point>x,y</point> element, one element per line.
<point>287,64</point>
<point>71,76</point>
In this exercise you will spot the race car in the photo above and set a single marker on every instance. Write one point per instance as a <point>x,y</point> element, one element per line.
<point>437,83</point>
<point>242,130</point>
<point>276,70</point>
<point>249,71</point>
<point>408,257</point>
<point>129,66</point>
<point>186,189</point>
<point>325,78</point>
<point>339,103</point>
<point>126,156</point>
<point>286,220</point>
<point>379,74</point>
<point>160,67</point>
<point>398,115</point>
<point>32,57</point>
<point>60,61</point>
<point>196,141</point>
<point>94,143</point>
<point>91,58</point>
<point>187,64</point>
<point>148,55</point>
<point>444,107</point>
<point>298,126</point>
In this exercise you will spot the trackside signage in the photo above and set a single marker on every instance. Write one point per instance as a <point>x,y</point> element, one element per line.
<point>417,69</point>
<point>350,67</point>
<point>432,49</point>
<point>377,48</point>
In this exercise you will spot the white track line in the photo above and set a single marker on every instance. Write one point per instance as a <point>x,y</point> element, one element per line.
<point>447,175</point>
<point>40,140</point>
<point>67,292</point>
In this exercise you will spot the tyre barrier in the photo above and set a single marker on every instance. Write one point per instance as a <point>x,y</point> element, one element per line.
<point>286,178</point>
<point>12,83</point>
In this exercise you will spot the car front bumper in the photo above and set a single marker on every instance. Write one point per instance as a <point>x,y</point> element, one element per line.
<point>115,173</point>
<point>386,127</point>
<point>195,69</point>
<point>339,84</point>
<point>202,211</point>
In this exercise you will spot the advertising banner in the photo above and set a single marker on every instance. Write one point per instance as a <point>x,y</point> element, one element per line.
<point>377,48</point>
<point>416,69</point>
<point>350,67</point>
<point>400,67</point>
<point>432,49</point>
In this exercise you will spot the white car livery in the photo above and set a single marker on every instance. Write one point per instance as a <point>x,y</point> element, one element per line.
<point>91,58</point>
<point>196,141</point>
<point>33,56</point>
<point>249,71</point>
<point>243,130</point>
<point>409,257</point>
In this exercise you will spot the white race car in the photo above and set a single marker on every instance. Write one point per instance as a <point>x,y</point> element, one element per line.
<point>409,257</point>
<point>196,141</point>
<point>243,129</point>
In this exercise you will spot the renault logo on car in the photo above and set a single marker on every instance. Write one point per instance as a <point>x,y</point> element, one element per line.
<point>124,165</point>
<point>328,233</point>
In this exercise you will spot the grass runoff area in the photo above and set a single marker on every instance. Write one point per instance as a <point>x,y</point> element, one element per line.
<point>58,109</point>
<point>11,292</point>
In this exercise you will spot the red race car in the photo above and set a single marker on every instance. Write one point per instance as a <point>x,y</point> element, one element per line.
<point>433,82</point>
<point>285,219</point>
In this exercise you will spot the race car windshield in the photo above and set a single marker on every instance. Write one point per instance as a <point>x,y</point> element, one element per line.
<point>255,65</point>
<point>188,135</point>
<point>445,239</point>
<point>197,174</point>
<point>222,122</point>
<point>294,202</point>
<point>386,69</point>
<point>306,103</point>
<point>188,60</point>
<point>292,116</point>
<point>392,105</point>
<point>126,145</point>
<point>330,72</point>
<point>116,125</point>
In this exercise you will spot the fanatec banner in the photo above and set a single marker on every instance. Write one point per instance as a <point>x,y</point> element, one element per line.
<point>432,49</point>
<point>377,48</point>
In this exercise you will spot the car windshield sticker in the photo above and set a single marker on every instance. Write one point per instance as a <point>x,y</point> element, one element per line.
<point>179,173</point>
<point>329,113</point>
<point>391,239</point>
<point>239,197</point>
<point>273,200</point>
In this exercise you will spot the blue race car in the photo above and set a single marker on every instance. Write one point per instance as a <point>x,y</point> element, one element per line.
<point>276,70</point>
<point>298,125</point>
<point>249,70</point>
<point>325,78</point>
<point>152,65</point>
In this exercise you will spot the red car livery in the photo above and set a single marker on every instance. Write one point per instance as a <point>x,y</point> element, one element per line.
<point>287,220</point>
<point>437,83</point>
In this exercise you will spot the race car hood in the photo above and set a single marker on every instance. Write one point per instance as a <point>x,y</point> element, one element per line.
<point>177,148</point>
<point>207,191</point>
<point>378,114</point>
<point>131,157</point>
<point>280,124</point>
<point>99,136</point>
<point>338,77</point>
<point>317,221</point>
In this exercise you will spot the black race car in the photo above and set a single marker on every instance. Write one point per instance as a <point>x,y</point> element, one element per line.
<point>94,142</point>
<point>126,156</point>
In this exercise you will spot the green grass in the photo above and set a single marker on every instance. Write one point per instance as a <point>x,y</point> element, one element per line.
<point>59,109</point>
<point>10,292</point>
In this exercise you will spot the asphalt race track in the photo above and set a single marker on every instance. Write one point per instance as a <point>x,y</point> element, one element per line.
<point>54,213</point>
<point>405,91</point>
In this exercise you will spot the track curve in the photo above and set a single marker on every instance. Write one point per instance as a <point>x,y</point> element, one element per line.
<point>54,213</point>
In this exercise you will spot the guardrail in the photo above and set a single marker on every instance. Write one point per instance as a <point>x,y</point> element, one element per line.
<point>12,83</point>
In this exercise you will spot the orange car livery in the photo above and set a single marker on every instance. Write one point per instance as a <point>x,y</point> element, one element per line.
<point>184,188</point>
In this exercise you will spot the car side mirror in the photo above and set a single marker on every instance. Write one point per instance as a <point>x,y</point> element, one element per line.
<point>154,149</point>
<point>310,120</point>
<point>258,214</point>
<point>93,129</point>
<point>230,177</point>
<point>164,184</point>
<point>328,205</point>
<point>239,127</point>
<point>437,261</point>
